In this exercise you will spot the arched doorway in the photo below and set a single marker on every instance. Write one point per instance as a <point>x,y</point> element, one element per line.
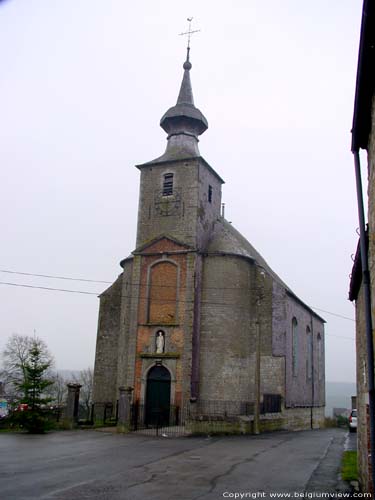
<point>158,396</point>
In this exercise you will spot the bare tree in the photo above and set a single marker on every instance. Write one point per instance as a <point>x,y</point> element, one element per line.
<point>58,389</point>
<point>15,359</point>
<point>85,379</point>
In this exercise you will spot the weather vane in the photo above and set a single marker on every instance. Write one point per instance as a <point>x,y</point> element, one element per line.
<point>189,32</point>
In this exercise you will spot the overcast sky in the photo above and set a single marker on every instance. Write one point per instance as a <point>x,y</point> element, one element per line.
<point>83,85</point>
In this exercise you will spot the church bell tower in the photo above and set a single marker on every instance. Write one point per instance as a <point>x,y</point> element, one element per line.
<point>180,194</point>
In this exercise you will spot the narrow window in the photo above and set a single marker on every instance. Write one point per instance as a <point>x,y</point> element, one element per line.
<point>320,357</point>
<point>168,185</point>
<point>294,347</point>
<point>309,352</point>
<point>210,194</point>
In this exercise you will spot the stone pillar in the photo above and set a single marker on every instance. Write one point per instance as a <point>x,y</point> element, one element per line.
<point>124,407</point>
<point>71,411</point>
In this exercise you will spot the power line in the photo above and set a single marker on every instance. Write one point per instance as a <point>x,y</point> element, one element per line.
<point>333,314</point>
<point>154,299</point>
<point>54,277</point>
<point>145,284</point>
<point>48,288</point>
<point>172,301</point>
<point>110,282</point>
<point>143,298</point>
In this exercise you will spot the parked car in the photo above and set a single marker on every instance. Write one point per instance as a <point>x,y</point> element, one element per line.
<point>353,421</point>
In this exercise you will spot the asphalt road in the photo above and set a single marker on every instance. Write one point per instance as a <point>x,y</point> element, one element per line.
<point>96,465</point>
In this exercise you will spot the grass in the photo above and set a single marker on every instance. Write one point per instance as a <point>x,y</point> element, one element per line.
<point>349,466</point>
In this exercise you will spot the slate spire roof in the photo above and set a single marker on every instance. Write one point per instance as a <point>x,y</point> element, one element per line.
<point>186,92</point>
<point>183,122</point>
<point>184,117</point>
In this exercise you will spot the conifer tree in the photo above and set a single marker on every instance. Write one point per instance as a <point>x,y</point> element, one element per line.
<point>34,387</point>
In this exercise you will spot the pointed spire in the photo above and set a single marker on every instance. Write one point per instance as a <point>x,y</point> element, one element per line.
<point>184,117</point>
<point>186,92</point>
<point>183,122</point>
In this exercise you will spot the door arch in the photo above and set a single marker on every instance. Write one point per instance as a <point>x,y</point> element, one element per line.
<point>158,396</point>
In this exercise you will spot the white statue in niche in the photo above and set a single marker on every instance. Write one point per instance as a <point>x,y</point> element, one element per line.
<point>160,342</point>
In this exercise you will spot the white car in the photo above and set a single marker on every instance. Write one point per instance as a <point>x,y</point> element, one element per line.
<point>353,421</point>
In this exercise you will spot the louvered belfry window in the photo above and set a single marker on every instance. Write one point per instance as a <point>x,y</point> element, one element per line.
<point>168,185</point>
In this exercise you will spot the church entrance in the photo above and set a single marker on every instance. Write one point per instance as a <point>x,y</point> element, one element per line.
<point>158,396</point>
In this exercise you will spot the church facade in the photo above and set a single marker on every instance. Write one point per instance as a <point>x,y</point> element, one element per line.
<point>196,314</point>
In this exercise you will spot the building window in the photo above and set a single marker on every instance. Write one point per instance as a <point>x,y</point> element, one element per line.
<point>209,194</point>
<point>320,357</point>
<point>168,185</point>
<point>294,347</point>
<point>309,352</point>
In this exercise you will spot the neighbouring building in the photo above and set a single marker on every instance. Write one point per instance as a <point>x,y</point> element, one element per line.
<point>197,318</point>
<point>363,137</point>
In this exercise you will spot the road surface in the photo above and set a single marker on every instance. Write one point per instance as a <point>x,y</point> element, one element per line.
<point>74,465</point>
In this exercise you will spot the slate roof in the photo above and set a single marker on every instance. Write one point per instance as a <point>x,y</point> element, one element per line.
<point>365,85</point>
<point>228,241</point>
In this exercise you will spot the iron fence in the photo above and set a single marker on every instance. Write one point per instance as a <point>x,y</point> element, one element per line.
<point>271,403</point>
<point>200,417</point>
<point>104,413</point>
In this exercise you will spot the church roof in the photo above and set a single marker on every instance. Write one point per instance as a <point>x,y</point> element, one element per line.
<point>183,122</point>
<point>228,241</point>
<point>184,117</point>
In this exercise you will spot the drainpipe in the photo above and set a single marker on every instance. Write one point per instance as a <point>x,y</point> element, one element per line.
<point>368,318</point>
<point>194,384</point>
<point>312,373</point>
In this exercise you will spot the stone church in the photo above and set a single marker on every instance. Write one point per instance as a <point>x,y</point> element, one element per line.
<point>197,316</point>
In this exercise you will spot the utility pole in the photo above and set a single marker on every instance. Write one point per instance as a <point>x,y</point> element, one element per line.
<point>257,377</point>
<point>259,298</point>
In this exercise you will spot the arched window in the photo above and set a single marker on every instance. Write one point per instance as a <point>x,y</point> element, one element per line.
<point>309,352</point>
<point>162,293</point>
<point>168,184</point>
<point>320,357</point>
<point>294,347</point>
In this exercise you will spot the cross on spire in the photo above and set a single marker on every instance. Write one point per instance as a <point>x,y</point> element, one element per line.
<point>188,33</point>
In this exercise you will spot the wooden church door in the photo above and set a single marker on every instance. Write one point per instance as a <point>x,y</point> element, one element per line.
<point>158,396</point>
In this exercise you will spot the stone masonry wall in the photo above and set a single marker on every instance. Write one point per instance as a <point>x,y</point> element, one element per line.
<point>227,357</point>
<point>208,212</point>
<point>129,309</point>
<point>279,323</point>
<point>302,389</point>
<point>236,300</point>
<point>362,392</point>
<point>272,375</point>
<point>105,371</point>
<point>190,216</point>
<point>362,387</point>
<point>371,207</point>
